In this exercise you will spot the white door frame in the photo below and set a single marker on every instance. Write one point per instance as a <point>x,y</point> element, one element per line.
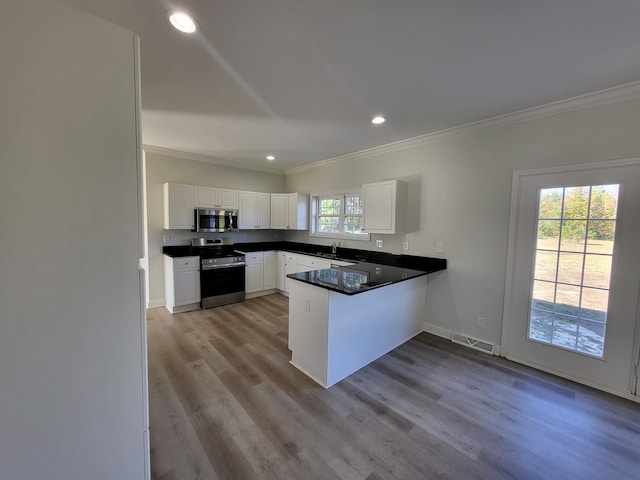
<point>507,313</point>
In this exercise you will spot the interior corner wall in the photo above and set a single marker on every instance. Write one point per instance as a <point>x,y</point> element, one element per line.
<point>72,357</point>
<point>459,195</point>
<point>175,169</point>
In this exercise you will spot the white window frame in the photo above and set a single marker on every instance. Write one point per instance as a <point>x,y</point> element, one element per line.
<point>313,227</point>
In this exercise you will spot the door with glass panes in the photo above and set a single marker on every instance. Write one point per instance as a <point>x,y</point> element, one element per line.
<point>573,289</point>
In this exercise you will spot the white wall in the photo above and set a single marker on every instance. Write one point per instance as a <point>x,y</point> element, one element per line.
<point>161,168</point>
<point>71,342</point>
<point>462,187</point>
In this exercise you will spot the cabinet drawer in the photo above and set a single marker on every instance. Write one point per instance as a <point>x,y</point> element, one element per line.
<point>314,263</point>
<point>292,258</point>
<point>253,257</point>
<point>186,263</point>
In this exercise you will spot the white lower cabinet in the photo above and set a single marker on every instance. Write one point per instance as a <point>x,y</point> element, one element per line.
<point>290,266</point>
<point>269,270</point>
<point>182,283</point>
<point>260,273</point>
<point>280,270</point>
<point>254,272</point>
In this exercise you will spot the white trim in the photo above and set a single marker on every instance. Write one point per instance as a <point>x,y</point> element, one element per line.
<point>261,293</point>
<point>627,395</point>
<point>609,95</point>
<point>197,157</point>
<point>156,303</point>
<point>437,331</point>
<point>313,216</point>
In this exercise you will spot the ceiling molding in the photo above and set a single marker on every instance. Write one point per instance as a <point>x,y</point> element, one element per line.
<point>609,95</point>
<point>197,157</point>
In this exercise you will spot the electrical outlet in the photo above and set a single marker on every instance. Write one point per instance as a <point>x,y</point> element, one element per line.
<point>307,305</point>
<point>379,243</point>
<point>439,248</point>
<point>166,239</point>
<point>405,246</point>
<point>482,322</point>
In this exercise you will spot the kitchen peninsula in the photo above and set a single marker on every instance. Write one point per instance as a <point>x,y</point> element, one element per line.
<point>343,318</point>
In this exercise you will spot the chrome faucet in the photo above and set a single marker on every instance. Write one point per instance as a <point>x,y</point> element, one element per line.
<point>334,248</point>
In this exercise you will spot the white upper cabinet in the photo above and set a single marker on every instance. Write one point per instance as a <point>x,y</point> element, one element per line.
<point>289,211</point>
<point>385,207</point>
<point>209,197</point>
<point>178,201</point>
<point>255,211</point>
<point>279,211</point>
<point>264,210</point>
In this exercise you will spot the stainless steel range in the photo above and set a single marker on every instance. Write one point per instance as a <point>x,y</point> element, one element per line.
<point>222,272</point>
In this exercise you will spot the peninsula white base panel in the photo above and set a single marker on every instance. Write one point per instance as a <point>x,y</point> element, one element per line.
<point>332,335</point>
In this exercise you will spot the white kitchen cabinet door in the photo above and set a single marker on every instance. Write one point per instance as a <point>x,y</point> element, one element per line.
<point>263,215</point>
<point>248,211</point>
<point>385,206</point>
<point>279,211</point>
<point>298,211</point>
<point>254,278</point>
<point>291,266</point>
<point>187,287</point>
<point>227,199</point>
<point>206,197</point>
<point>210,197</point>
<point>254,211</point>
<point>289,211</point>
<point>280,270</point>
<point>269,270</point>
<point>254,272</point>
<point>178,203</point>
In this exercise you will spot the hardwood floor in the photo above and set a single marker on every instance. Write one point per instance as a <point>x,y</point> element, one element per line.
<point>226,404</point>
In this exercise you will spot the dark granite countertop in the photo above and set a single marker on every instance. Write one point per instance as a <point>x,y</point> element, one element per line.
<point>358,278</point>
<point>403,262</point>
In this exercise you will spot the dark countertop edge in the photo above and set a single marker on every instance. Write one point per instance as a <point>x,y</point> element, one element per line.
<point>352,292</point>
<point>413,262</point>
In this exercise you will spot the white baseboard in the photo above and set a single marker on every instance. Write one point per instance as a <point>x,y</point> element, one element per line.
<point>156,303</point>
<point>627,395</point>
<point>261,293</point>
<point>446,333</point>
<point>437,331</point>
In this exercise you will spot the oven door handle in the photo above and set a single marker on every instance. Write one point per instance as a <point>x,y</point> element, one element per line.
<point>220,267</point>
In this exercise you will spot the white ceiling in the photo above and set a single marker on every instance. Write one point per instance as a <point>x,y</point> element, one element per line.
<point>302,78</point>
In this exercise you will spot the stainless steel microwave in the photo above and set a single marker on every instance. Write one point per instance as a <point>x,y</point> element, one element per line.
<point>215,220</point>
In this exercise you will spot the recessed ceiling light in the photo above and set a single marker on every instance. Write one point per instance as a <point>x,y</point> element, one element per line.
<point>183,22</point>
<point>270,157</point>
<point>378,119</point>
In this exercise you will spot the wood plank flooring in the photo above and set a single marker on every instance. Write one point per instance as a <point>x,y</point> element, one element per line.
<point>226,404</point>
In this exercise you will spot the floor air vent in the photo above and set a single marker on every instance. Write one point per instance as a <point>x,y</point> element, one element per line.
<point>473,343</point>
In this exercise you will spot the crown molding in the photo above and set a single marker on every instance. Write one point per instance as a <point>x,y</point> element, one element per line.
<point>197,157</point>
<point>610,95</point>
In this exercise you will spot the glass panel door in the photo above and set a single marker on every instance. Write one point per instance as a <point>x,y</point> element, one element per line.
<point>572,267</point>
<point>573,285</point>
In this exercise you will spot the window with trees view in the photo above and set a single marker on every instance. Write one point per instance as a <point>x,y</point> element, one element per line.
<point>338,215</point>
<point>572,271</point>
